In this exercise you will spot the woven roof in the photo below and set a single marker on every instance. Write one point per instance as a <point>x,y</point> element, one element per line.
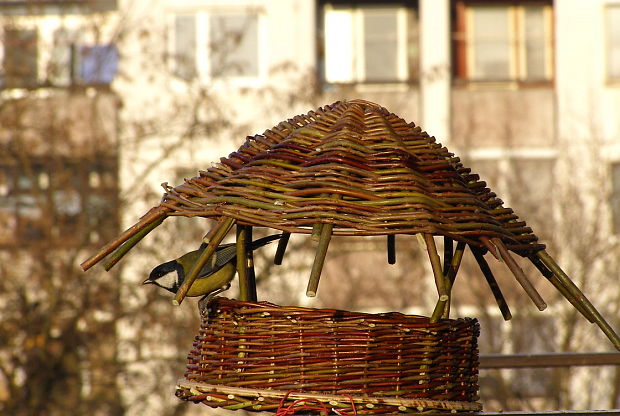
<point>354,168</point>
<point>359,167</point>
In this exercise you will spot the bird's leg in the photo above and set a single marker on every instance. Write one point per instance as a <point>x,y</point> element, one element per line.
<point>203,303</point>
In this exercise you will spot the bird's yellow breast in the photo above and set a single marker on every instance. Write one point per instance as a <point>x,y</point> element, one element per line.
<point>205,285</point>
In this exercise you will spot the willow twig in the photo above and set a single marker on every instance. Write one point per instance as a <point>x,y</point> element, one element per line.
<point>242,262</point>
<point>518,273</point>
<point>452,270</point>
<point>154,214</point>
<point>448,247</point>
<point>282,244</point>
<point>439,278</point>
<point>191,276</point>
<point>492,248</point>
<point>319,259</point>
<point>120,252</point>
<point>548,274</point>
<point>488,275</point>
<point>579,296</point>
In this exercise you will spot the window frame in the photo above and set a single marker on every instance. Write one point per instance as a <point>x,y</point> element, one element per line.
<point>614,198</point>
<point>202,61</point>
<point>404,39</point>
<point>464,55</point>
<point>611,78</point>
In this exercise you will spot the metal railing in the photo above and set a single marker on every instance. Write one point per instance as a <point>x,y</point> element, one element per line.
<point>548,360</point>
<point>559,359</point>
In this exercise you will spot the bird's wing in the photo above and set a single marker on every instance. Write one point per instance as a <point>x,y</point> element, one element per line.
<point>227,253</point>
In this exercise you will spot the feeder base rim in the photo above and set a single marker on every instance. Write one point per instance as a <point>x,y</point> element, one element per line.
<point>204,388</point>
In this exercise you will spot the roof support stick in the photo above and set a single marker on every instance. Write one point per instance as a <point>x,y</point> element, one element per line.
<point>282,244</point>
<point>153,215</point>
<point>488,275</point>
<point>518,273</point>
<point>223,229</point>
<point>120,252</point>
<point>319,259</point>
<point>440,280</point>
<point>558,285</point>
<point>450,272</point>
<point>242,262</point>
<point>391,248</point>
<point>580,297</point>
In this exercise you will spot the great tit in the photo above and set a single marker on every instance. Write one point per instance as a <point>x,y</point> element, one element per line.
<point>214,276</point>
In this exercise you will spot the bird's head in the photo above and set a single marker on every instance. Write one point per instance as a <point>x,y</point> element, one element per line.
<point>166,276</point>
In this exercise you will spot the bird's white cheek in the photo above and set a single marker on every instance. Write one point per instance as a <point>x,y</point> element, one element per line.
<point>168,280</point>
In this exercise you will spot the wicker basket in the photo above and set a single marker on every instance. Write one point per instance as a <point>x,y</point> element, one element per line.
<point>260,356</point>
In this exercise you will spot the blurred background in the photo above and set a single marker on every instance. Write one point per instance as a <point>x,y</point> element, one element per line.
<point>101,101</point>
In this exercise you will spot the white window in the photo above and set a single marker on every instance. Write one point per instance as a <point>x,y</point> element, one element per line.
<point>613,42</point>
<point>507,43</point>
<point>216,45</point>
<point>368,44</point>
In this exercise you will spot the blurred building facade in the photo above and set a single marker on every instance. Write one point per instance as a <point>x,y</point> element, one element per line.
<point>147,91</point>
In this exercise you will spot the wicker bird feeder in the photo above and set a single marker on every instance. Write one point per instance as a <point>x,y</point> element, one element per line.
<point>350,168</point>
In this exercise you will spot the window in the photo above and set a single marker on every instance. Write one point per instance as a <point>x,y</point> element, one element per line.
<point>19,63</point>
<point>501,42</point>
<point>215,45</point>
<point>615,197</point>
<point>96,64</point>
<point>58,200</point>
<point>613,42</point>
<point>370,43</point>
<point>69,61</point>
<point>233,43</point>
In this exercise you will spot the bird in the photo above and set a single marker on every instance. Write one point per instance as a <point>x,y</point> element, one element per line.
<point>213,277</point>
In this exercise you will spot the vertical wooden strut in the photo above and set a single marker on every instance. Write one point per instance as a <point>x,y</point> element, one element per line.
<point>319,259</point>
<point>579,297</point>
<point>252,296</point>
<point>223,229</point>
<point>242,261</point>
<point>282,244</point>
<point>519,275</point>
<point>448,252</point>
<point>488,275</point>
<point>451,272</point>
<point>439,278</point>
<point>391,249</point>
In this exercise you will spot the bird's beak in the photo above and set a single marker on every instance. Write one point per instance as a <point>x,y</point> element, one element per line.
<point>147,281</point>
